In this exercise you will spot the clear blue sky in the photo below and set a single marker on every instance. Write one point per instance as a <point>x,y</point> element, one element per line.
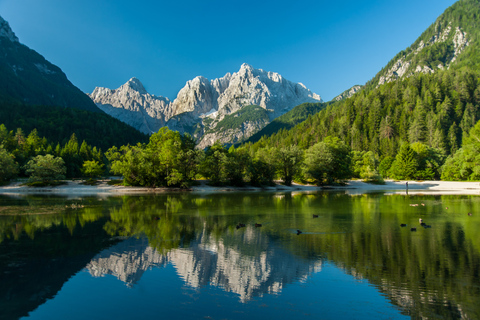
<point>327,45</point>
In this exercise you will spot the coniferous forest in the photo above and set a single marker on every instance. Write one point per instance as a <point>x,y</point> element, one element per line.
<point>422,126</point>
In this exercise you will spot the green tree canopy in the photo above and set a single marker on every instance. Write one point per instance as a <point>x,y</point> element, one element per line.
<point>46,168</point>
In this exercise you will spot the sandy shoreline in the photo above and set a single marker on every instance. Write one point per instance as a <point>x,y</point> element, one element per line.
<point>353,187</point>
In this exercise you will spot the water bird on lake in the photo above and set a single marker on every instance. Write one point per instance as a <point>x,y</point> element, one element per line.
<point>413,229</point>
<point>240,225</point>
<point>315,215</point>
<point>258,225</point>
<point>298,232</point>
<point>426,226</point>
<point>403,225</point>
<point>423,204</point>
<point>470,214</point>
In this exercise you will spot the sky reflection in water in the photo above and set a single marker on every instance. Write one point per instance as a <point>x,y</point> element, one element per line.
<point>180,256</point>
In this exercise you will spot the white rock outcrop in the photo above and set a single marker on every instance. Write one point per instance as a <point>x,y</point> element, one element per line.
<point>201,98</point>
<point>132,104</point>
<point>402,67</point>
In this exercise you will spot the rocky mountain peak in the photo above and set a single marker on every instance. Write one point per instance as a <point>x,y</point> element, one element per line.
<point>135,85</point>
<point>202,104</point>
<point>6,31</point>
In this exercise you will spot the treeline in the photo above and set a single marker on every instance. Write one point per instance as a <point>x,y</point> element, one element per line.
<point>31,155</point>
<point>170,159</point>
<point>418,128</point>
<point>434,111</point>
<point>57,124</point>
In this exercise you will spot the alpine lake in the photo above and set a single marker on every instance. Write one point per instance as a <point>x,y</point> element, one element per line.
<point>205,256</point>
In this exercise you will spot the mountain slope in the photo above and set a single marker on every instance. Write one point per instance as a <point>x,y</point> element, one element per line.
<point>202,104</point>
<point>288,120</point>
<point>30,79</point>
<point>452,41</point>
<point>436,109</point>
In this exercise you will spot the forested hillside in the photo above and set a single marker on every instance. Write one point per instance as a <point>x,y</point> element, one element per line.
<point>288,120</point>
<point>57,124</point>
<point>421,106</point>
<point>437,110</point>
<point>450,42</point>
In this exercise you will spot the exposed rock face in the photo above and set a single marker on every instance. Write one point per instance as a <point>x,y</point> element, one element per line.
<point>348,93</point>
<point>404,66</point>
<point>209,261</point>
<point>203,103</point>
<point>28,78</point>
<point>132,104</point>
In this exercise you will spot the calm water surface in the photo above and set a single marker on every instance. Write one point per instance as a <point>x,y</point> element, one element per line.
<point>181,256</point>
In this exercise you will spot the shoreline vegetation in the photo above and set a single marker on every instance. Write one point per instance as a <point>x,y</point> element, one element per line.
<point>78,188</point>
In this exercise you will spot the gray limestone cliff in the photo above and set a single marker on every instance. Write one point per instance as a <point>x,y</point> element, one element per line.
<point>202,104</point>
<point>132,104</point>
<point>444,42</point>
<point>348,93</point>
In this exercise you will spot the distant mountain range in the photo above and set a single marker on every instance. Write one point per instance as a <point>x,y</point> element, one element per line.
<point>209,110</point>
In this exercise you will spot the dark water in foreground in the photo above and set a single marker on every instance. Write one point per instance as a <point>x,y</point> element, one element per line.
<point>180,256</point>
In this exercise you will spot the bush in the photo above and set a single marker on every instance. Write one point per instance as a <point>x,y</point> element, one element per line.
<point>46,168</point>
<point>8,166</point>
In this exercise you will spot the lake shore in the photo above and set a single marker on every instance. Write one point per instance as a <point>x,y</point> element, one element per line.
<point>75,187</point>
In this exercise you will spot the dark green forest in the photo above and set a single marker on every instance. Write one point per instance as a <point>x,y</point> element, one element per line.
<point>57,124</point>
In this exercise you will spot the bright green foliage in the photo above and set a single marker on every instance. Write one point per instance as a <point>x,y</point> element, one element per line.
<point>8,166</point>
<point>384,166</point>
<point>405,165</point>
<point>70,154</point>
<point>288,162</point>
<point>92,168</point>
<point>415,161</point>
<point>212,164</point>
<point>422,108</point>
<point>328,161</point>
<point>167,160</point>
<point>465,163</point>
<point>261,170</point>
<point>288,120</point>
<point>46,168</point>
<point>364,166</point>
<point>429,161</point>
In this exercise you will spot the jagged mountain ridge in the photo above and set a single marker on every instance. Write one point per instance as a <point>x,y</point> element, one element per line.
<point>209,261</point>
<point>202,104</point>
<point>29,79</point>
<point>449,42</point>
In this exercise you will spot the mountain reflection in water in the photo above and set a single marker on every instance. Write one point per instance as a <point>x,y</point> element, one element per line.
<point>210,262</point>
<point>430,273</point>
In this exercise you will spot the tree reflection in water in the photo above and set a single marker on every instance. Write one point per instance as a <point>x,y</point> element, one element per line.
<point>431,273</point>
